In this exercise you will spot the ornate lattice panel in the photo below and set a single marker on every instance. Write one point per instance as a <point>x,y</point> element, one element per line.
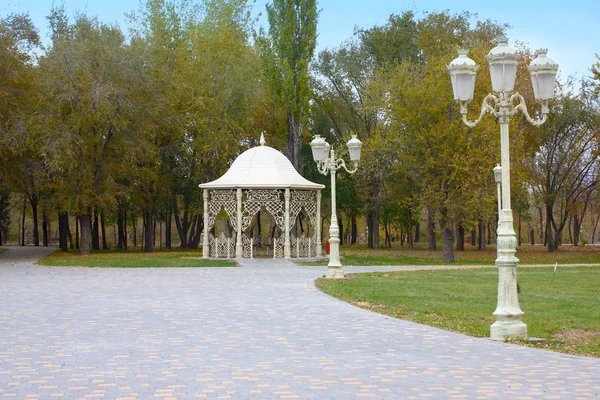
<point>303,199</point>
<point>211,246</point>
<point>301,246</point>
<point>218,200</point>
<point>224,247</point>
<point>278,247</point>
<point>269,199</point>
<point>247,246</point>
<point>313,245</point>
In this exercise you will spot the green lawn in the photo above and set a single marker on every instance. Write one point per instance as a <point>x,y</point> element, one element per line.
<point>133,259</point>
<point>566,313</point>
<point>399,256</point>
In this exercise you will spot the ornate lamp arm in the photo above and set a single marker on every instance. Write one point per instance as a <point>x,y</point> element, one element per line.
<point>341,163</point>
<point>523,108</point>
<point>323,166</point>
<point>486,108</point>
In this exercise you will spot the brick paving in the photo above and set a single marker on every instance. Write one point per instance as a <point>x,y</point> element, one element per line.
<point>262,331</point>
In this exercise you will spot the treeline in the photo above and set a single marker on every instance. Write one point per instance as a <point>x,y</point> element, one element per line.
<point>112,126</point>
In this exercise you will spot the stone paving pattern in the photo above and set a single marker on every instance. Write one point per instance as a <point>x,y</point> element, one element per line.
<point>262,331</point>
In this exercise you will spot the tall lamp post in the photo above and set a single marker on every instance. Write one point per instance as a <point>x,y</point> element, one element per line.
<point>503,61</point>
<point>324,156</point>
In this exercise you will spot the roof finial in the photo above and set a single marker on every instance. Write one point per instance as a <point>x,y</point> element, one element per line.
<point>262,138</point>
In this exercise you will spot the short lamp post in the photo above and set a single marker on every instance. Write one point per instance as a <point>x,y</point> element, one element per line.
<point>498,178</point>
<point>503,61</point>
<point>324,156</point>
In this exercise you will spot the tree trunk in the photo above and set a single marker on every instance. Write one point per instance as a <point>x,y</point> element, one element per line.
<point>341,226</point>
<point>292,147</point>
<point>148,233</point>
<point>154,233</point>
<point>410,237</point>
<point>473,237</point>
<point>417,232</point>
<point>577,222</point>
<point>168,229</point>
<point>570,225</point>
<point>549,238</point>
<point>531,236</point>
<point>431,231</point>
<point>374,228</point>
<point>77,232</point>
<point>194,240</point>
<point>96,232</point>
<point>448,241</point>
<point>388,239</point>
<point>460,238</point>
<point>45,228</point>
<point>481,228</point>
<point>69,232</point>
<point>23,222</point>
<point>595,227</point>
<point>86,231</point>
<point>519,232</point>
<point>489,233</point>
<point>543,232</point>
<point>120,234</point>
<point>134,227</point>
<point>103,229</point>
<point>33,200</point>
<point>63,227</point>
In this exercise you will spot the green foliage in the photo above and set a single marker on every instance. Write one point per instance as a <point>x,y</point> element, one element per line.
<point>286,53</point>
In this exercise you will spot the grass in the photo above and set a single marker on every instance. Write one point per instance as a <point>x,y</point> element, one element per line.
<point>133,259</point>
<point>399,256</point>
<point>566,313</point>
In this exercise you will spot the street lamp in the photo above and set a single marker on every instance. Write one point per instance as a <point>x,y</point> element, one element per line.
<point>498,178</point>
<point>503,61</point>
<point>324,156</point>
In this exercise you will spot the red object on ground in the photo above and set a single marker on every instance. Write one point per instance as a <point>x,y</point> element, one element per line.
<point>327,247</point>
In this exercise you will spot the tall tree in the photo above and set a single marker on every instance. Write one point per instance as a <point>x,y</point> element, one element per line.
<point>84,78</point>
<point>287,51</point>
<point>564,169</point>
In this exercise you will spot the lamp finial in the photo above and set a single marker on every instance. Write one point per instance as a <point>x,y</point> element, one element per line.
<point>262,138</point>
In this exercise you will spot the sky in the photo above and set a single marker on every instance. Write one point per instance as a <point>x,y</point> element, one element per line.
<point>568,29</point>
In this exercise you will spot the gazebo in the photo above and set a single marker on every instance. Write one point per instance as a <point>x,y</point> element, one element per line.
<point>261,178</point>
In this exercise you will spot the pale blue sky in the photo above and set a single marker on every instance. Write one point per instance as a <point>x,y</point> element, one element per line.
<point>569,29</point>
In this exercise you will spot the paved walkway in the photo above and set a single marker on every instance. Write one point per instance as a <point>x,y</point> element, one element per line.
<point>258,332</point>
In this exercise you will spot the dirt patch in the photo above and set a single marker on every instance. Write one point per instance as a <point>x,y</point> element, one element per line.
<point>578,336</point>
<point>369,305</point>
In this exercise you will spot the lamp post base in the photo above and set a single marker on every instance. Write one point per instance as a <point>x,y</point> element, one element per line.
<point>334,273</point>
<point>503,330</point>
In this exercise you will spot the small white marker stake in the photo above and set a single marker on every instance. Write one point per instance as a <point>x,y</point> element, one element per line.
<point>554,273</point>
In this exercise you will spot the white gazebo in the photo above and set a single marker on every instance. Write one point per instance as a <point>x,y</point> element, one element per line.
<point>261,178</point>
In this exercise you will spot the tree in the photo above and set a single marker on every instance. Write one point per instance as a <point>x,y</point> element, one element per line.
<point>287,51</point>
<point>450,163</point>
<point>85,80</point>
<point>20,139</point>
<point>564,169</point>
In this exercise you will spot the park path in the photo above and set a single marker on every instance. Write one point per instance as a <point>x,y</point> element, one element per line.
<point>262,331</point>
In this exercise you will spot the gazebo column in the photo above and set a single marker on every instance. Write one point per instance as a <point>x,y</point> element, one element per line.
<point>287,246</point>
<point>239,250</point>
<point>205,242</point>
<point>318,227</point>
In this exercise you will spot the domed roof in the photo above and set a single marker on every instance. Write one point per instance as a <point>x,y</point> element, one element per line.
<point>261,167</point>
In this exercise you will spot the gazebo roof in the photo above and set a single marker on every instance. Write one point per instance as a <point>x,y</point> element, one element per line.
<point>261,167</point>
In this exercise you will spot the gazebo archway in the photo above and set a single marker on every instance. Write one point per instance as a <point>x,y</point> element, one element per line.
<point>262,178</point>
